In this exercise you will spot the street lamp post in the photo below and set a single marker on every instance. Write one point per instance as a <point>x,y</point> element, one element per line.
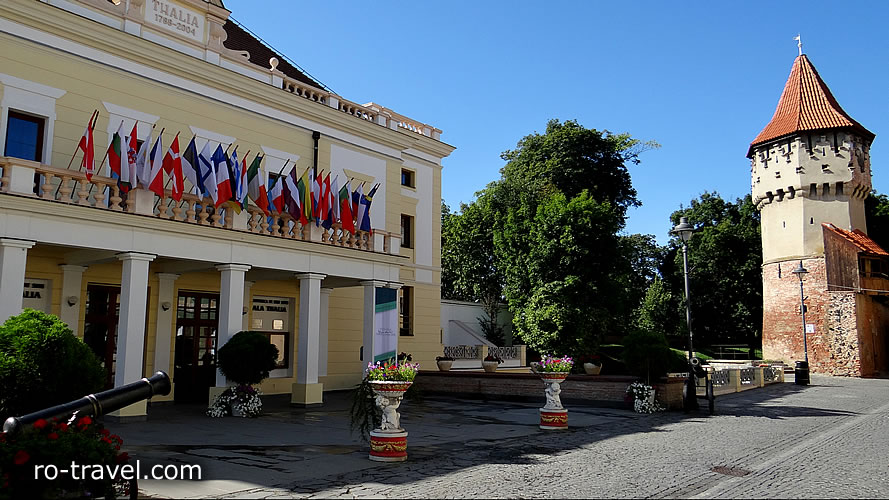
<point>801,372</point>
<point>685,230</point>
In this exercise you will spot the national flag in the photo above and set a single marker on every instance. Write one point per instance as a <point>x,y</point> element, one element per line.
<point>276,194</point>
<point>356,201</point>
<point>365,209</point>
<point>128,176</point>
<point>317,187</point>
<point>243,183</point>
<point>234,169</point>
<point>156,172</point>
<point>173,167</point>
<point>256,185</point>
<point>190,167</point>
<point>223,176</point>
<point>141,177</point>
<point>207,174</point>
<point>335,198</point>
<point>305,197</point>
<point>346,208</point>
<point>326,205</point>
<point>116,155</point>
<point>88,161</point>
<point>291,196</point>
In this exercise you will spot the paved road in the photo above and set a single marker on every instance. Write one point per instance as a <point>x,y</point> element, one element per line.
<point>828,440</point>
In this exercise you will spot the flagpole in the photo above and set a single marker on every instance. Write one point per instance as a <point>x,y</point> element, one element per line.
<point>91,126</point>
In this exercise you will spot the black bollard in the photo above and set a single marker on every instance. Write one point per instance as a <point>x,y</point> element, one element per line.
<point>801,373</point>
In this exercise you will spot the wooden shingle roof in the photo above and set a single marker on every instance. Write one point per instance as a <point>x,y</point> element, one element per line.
<point>806,104</point>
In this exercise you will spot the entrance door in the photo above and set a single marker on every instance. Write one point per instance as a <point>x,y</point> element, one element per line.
<point>195,360</point>
<point>100,326</point>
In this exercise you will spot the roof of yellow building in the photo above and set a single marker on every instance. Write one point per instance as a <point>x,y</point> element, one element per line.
<point>806,104</point>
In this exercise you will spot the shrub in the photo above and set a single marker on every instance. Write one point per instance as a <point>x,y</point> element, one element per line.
<point>42,364</point>
<point>247,358</point>
<point>647,354</point>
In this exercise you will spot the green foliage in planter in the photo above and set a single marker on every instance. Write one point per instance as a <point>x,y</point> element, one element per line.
<point>647,354</point>
<point>247,358</point>
<point>43,364</point>
<point>364,415</point>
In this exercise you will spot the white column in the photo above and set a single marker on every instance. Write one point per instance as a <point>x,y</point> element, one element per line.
<point>370,305</point>
<point>163,332</point>
<point>245,310</point>
<point>72,281</point>
<point>323,337</point>
<point>131,325</point>
<point>13,257</point>
<point>231,306</point>
<point>307,390</point>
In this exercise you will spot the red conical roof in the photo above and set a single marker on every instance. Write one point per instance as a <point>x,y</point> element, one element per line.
<point>806,104</point>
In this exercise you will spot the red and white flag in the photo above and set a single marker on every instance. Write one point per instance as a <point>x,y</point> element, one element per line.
<point>88,162</point>
<point>173,167</point>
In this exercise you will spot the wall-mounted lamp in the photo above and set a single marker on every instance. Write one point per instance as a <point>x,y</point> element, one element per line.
<point>166,306</point>
<point>72,300</point>
<point>244,311</point>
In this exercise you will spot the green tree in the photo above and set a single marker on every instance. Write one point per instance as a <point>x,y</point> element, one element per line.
<point>725,273</point>
<point>659,311</point>
<point>876,208</point>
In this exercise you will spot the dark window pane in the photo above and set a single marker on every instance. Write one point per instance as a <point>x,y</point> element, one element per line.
<point>24,136</point>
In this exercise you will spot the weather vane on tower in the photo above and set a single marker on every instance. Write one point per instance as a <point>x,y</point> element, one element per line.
<point>799,43</point>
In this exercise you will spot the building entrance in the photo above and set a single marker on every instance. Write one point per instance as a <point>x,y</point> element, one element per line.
<point>195,359</point>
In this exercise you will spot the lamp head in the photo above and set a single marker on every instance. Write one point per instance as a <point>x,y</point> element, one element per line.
<point>800,271</point>
<point>684,229</point>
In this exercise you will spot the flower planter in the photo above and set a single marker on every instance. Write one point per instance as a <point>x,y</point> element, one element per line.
<point>553,416</point>
<point>490,366</point>
<point>444,365</point>
<point>592,368</point>
<point>236,412</point>
<point>388,443</point>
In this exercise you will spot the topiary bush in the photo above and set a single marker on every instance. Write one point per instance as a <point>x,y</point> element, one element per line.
<point>247,358</point>
<point>43,364</point>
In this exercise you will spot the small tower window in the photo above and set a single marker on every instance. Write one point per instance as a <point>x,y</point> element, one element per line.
<point>813,190</point>
<point>811,220</point>
<point>839,190</point>
<point>825,188</point>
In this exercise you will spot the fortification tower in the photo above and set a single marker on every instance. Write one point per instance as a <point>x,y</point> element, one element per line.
<point>809,165</point>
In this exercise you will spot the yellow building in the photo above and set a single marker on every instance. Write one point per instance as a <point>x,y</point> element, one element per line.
<point>152,283</point>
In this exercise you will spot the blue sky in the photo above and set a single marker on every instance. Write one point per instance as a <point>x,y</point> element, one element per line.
<point>700,78</point>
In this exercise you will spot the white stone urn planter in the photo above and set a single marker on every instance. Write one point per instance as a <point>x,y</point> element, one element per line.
<point>553,416</point>
<point>592,368</point>
<point>490,366</point>
<point>388,442</point>
<point>444,364</point>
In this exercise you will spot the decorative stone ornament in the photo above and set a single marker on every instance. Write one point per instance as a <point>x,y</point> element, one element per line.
<point>553,416</point>
<point>444,365</point>
<point>388,443</point>
<point>592,368</point>
<point>490,366</point>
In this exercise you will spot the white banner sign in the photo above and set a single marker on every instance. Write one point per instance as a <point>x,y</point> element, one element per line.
<point>385,324</point>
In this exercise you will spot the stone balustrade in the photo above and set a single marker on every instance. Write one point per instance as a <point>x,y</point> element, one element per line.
<point>369,112</point>
<point>32,179</point>
<point>727,380</point>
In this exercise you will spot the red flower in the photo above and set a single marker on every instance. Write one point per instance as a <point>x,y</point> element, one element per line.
<point>123,457</point>
<point>116,438</point>
<point>105,432</point>
<point>52,435</point>
<point>84,421</point>
<point>40,424</point>
<point>62,427</point>
<point>106,440</point>
<point>21,457</point>
<point>2,437</point>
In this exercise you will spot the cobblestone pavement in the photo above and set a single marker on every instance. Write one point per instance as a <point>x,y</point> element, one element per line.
<point>827,440</point>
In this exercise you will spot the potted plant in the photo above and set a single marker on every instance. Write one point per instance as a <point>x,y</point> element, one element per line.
<point>246,359</point>
<point>491,362</point>
<point>553,371</point>
<point>642,395</point>
<point>592,364</point>
<point>444,362</point>
<point>389,381</point>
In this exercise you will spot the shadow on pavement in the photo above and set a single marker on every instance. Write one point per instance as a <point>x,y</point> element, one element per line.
<point>311,450</point>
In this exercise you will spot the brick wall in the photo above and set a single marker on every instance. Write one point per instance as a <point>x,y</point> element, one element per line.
<point>605,390</point>
<point>782,329</point>
<point>841,339</point>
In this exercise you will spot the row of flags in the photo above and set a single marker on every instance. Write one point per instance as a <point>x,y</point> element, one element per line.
<point>224,178</point>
